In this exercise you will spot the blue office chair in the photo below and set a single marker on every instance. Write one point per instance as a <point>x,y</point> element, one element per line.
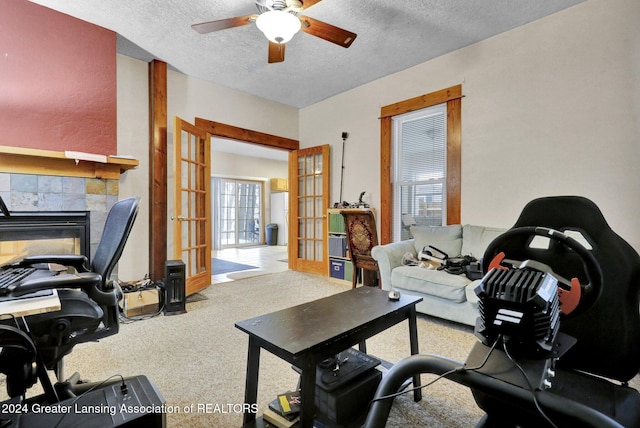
<point>590,387</point>
<point>88,298</point>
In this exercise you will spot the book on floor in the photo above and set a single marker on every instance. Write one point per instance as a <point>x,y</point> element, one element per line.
<point>279,421</point>
<point>287,404</point>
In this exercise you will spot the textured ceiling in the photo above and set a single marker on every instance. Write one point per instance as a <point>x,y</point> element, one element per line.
<point>392,36</point>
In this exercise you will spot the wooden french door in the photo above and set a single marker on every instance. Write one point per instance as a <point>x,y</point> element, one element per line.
<point>309,194</point>
<point>192,205</point>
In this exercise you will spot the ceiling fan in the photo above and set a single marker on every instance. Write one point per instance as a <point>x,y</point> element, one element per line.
<point>279,20</point>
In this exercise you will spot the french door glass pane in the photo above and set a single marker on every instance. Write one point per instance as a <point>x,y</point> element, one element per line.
<point>308,211</point>
<point>309,250</point>
<point>309,165</point>
<point>318,231</point>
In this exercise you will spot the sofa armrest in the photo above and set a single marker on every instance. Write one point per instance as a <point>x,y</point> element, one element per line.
<point>389,256</point>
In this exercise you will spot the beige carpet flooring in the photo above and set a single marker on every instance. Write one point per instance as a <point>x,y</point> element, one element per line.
<point>199,358</point>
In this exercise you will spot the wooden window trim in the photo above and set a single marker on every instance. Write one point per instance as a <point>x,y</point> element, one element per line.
<point>452,96</point>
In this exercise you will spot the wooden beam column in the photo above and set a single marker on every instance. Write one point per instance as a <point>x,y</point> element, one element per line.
<point>157,169</point>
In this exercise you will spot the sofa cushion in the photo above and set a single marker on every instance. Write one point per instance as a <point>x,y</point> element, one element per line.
<point>470,292</point>
<point>476,239</point>
<point>433,282</point>
<point>445,238</point>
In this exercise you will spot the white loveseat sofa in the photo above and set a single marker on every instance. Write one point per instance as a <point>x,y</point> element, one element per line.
<point>444,295</point>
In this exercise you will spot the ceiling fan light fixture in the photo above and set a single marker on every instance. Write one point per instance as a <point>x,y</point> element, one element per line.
<point>278,26</point>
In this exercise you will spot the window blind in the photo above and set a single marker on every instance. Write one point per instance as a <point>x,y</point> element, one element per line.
<point>420,147</point>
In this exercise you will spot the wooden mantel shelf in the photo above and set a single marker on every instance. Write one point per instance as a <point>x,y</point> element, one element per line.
<point>49,162</point>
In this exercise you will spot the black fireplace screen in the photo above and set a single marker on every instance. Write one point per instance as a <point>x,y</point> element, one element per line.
<point>49,232</point>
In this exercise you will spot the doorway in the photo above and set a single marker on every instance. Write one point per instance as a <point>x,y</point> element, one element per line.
<point>243,208</point>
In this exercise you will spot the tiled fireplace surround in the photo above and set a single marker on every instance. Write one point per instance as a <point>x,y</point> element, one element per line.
<point>26,192</point>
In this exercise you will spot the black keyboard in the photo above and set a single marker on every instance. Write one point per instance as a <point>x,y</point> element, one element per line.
<point>11,276</point>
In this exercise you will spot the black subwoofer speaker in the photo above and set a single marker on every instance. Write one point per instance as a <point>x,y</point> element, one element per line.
<point>174,287</point>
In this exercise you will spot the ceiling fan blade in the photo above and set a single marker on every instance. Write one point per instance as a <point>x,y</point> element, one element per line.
<point>327,32</point>
<point>223,24</point>
<point>306,4</point>
<point>276,52</point>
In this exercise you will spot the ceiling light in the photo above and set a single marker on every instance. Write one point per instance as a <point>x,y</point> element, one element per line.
<point>278,26</point>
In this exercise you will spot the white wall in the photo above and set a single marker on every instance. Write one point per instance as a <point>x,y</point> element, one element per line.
<point>247,167</point>
<point>189,98</point>
<point>550,108</point>
<point>133,140</point>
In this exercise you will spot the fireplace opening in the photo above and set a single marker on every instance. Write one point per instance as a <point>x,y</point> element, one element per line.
<point>48,232</point>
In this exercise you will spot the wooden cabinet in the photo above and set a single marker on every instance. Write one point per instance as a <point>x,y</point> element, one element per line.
<point>279,185</point>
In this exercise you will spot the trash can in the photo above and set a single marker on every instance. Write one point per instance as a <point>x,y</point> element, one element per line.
<point>272,234</point>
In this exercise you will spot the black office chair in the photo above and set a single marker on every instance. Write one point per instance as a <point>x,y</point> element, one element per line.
<point>88,298</point>
<point>17,358</point>
<point>590,387</point>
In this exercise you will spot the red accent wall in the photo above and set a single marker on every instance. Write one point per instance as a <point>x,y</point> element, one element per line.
<point>57,81</point>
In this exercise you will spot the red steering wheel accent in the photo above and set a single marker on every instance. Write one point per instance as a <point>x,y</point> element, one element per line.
<point>496,262</point>
<point>569,299</point>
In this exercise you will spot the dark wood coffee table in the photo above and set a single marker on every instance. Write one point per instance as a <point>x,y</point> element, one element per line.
<point>306,334</point>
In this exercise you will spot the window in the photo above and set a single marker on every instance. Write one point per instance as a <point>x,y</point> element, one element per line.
<point>240,213</point>
<point>452,97</point>
<point>420,160</point>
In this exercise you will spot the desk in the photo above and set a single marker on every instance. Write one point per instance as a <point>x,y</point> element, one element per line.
<point>30,305</point>
<point>33,303</point>
<point>306,334</point>
<point>25,306</point>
